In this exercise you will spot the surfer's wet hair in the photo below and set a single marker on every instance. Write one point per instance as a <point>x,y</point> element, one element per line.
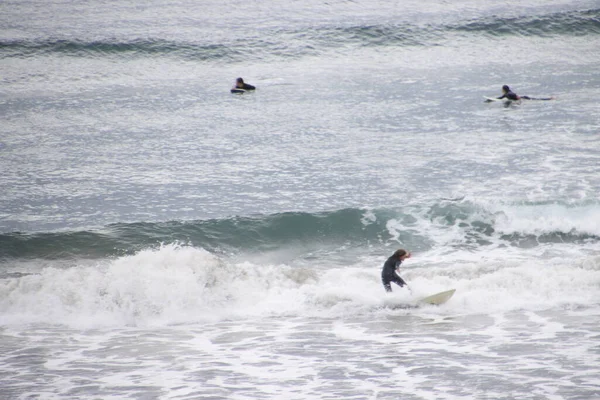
<point>506,88</point>
<point>400,253</point>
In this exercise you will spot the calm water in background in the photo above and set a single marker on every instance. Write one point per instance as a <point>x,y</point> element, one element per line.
<point>163,238</point>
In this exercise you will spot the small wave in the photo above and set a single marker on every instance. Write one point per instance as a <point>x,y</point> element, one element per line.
<point>262,233</point>
<point>115,48</point>
<point>295,42</point>
<point>572,23</point>
<point>419,227</point>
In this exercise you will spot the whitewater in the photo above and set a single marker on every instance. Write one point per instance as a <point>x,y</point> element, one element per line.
<point>162,238</point>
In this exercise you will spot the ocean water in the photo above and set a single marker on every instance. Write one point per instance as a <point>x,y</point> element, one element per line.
<point>162,238</point>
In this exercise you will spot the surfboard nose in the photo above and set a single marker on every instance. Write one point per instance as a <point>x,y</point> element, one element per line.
<point>438,298</point>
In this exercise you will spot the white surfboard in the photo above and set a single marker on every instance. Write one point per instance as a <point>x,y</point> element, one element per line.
<point>506,103</point>
<point>438,298</point>
<point>490,99</point>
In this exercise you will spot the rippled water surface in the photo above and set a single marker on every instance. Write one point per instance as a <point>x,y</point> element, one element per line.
<point>163,238</point>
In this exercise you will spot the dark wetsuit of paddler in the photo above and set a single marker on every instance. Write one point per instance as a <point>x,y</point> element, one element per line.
<point>240,84</point>
<point>510,95</point>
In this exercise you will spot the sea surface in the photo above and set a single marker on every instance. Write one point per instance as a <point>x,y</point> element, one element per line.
<point>162,238</point>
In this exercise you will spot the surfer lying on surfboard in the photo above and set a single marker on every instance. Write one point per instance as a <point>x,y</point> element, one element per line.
<point>390,268</point>
<point>510,95</point>
<point>241,86</point>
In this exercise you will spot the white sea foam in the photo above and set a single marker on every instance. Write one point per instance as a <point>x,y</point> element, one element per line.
<point>548,218</point>
<point>176,284</point>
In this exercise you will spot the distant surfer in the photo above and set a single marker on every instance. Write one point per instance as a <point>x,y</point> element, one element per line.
<point>510,95</point>
<point>390,267</point>
<point>241,86</point>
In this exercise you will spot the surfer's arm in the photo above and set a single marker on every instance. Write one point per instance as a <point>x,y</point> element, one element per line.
<point>401,281</point>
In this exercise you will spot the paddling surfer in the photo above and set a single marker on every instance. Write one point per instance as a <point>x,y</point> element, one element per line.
<point>390,267</point>
<point>510,95</point>
<point>241,86</point>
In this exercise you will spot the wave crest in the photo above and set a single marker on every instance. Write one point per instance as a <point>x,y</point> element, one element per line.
<point>419,227</point>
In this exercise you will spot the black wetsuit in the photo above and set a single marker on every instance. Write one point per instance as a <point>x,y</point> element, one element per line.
<point>388,273</point>
<point>243,88</point>
<point>510,95</point>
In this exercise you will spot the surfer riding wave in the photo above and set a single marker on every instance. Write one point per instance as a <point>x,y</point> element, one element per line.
<point>390,268</point>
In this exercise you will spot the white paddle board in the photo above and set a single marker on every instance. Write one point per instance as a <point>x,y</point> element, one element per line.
<point>438,298</point>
